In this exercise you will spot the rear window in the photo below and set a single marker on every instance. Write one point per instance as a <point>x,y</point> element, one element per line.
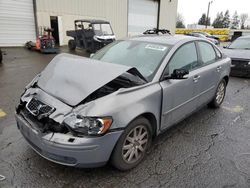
<point>207,52</point>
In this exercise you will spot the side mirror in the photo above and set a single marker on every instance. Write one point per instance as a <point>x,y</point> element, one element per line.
<point>177,74</point>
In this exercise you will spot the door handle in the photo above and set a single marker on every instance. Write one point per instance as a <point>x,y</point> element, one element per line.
<point>218,68</point>
<point>196,78</point>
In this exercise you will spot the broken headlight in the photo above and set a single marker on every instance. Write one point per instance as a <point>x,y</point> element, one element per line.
<point>88,125</point>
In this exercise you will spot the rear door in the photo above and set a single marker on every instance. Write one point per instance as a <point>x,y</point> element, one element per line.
<point>180,96</point>
<point>209,73</point>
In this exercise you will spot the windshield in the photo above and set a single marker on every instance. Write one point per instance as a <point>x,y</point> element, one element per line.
<point>102,29</point>
<point>145,57</point>
<point>240,44</point>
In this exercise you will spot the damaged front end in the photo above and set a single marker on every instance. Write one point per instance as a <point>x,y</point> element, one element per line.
<point>47,115</point>
<point>49,110</point>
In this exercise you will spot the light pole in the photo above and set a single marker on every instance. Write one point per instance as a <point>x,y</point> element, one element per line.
<point>208,8</point>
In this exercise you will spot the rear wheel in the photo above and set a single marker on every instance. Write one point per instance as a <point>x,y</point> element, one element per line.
<point>220,95</point>
<point>133,144</point>
<point>1,56</point>
<point>72,44</point>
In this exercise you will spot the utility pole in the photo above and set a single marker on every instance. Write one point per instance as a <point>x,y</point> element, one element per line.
<point>209,3</point>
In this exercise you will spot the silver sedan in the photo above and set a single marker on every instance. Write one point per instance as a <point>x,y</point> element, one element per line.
<point>85,112</point>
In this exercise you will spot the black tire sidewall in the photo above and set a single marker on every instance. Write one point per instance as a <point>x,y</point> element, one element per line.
<point>116,158</point>
<point>72,44</point>
<point>1,56</point>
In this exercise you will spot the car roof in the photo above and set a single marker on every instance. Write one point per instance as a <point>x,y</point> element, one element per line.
<point>164,39</point>
<point>93,21</point>
<point>245,37</point>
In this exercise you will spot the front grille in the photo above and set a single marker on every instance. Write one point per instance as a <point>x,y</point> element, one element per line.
<point>36,107</point>
<point>240,63</point>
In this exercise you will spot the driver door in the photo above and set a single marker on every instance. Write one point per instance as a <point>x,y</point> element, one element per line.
<point>180,95</point>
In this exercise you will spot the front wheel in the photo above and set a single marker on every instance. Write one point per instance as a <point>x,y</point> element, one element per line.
<point>133,144</point>
<point>219,95</point>
<point>72,44</point>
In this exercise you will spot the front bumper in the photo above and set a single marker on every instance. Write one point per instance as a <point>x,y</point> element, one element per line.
<point>59,148</point>
<point>240,71</point>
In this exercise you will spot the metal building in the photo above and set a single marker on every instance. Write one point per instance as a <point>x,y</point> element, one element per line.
<point>17,23</point>
<point>22,20</point>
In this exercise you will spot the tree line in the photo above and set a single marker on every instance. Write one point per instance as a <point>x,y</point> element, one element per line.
<point>222,20</point>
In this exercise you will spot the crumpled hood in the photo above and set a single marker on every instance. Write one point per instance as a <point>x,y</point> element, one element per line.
<point>237,53</point>
<point>72,78</point>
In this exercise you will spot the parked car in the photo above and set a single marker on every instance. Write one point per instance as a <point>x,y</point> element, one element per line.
<point>207,35</point>
<point>85,112</point>
<point>91,35</point>
<point>201,35</point>
<point>239,52</point>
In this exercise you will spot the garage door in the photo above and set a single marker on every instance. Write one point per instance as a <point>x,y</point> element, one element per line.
<point>17,23</point>
<point>142,15</point>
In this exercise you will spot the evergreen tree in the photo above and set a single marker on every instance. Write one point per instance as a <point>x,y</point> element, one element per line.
<point>218,22</point>
<point>235,21</point>
<point>202,20</point>
<point>226,19</point>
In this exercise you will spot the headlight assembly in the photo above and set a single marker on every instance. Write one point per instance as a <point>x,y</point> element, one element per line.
<point>88,125</point>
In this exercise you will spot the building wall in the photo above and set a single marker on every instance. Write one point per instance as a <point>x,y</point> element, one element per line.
<point>115,11</point>
<point>168,14</point>
<point>111,10</point>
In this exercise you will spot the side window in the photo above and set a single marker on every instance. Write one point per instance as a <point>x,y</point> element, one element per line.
<point>208,54</point>
<point>184,58</point>
<point>218,53</point>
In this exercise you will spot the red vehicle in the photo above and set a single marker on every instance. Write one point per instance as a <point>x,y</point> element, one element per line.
<point>44,43</point>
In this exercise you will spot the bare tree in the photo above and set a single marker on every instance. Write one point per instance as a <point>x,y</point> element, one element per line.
<point>243,19</point>
<point>180,21</point>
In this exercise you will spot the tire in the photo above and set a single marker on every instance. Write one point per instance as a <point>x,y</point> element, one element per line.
<point>72,44</point>
<point>219,95</point>
<point>120,157</point>
<point>1,56</point>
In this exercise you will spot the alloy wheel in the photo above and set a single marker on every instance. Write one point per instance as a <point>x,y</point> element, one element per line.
<point>220,93</point>
<point>135,144</point>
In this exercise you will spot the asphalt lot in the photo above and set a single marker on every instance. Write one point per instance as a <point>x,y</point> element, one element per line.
<point>209,149</point>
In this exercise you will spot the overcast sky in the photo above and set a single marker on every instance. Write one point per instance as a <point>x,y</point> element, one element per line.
<point>192,10</point>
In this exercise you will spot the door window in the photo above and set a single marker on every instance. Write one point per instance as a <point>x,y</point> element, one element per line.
<point>218,53</point>
<point>207,52</point>
<point>184,58</point>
